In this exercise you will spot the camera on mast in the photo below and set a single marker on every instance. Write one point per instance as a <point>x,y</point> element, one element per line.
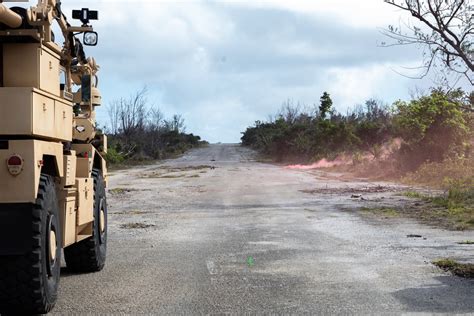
<point>85,15</point>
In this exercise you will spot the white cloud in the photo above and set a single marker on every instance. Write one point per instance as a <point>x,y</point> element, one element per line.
<point>366,13</point>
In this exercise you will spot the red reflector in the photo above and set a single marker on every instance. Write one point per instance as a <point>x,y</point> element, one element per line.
<point>14,161</point>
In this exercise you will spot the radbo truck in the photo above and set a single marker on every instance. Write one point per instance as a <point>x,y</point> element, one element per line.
<point>52,168</point>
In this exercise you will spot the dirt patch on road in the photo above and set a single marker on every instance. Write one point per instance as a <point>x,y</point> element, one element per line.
<point>136,226</point>
<point>354,190</point>
<point>185,168</point>
<point>132,212</point>
<point>168,172</point>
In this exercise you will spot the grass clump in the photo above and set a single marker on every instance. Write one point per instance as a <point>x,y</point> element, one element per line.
<point>120,191</point>
<point>465,270</point>
<point>117,191</point>
<point>459,203</point>
<point>413,195</point>
<point>386,211</point>
<point>456,177</point>
<point>455,206</point>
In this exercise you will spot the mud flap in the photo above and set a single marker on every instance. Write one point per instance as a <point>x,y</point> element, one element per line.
<point>16,229</point>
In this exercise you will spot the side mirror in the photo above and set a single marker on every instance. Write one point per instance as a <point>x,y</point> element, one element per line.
<point>90,38</point>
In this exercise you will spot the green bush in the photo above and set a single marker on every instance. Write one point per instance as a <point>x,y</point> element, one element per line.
<point>433,128</point>
<point>114,157</point>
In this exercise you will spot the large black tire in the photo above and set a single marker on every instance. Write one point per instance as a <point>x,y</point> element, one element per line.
<point>29,283</point>
<point>89,255</point>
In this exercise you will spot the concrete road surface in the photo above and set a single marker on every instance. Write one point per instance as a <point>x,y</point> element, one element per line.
<point>218,232</point>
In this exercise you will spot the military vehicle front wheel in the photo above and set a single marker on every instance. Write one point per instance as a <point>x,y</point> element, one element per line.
<point>29,282</point>
<point>89,255</point>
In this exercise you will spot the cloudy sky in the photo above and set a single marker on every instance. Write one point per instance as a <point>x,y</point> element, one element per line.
<point>225,64</point>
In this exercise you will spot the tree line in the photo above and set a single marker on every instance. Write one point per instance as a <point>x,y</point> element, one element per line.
<point>139,131</point>
<point>431,127</point>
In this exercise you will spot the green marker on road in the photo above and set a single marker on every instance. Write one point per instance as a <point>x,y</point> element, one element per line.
<point>250,261</point>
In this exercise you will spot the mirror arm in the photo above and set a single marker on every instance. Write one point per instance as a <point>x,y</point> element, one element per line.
<point>80,29</point>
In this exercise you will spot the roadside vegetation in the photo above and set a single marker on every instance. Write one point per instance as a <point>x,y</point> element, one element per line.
<point>465,270</point>
<point>449,210</point>
<point>427,140</point>
<point>139,133</point>
<point>429,132</point>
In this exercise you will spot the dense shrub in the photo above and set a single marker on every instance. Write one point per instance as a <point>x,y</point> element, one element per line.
<point>433,128</point>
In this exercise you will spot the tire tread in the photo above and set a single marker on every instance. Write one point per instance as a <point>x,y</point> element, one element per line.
<point>21,285</point>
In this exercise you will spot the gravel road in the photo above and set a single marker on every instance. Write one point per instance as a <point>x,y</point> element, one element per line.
<point>218,232</point>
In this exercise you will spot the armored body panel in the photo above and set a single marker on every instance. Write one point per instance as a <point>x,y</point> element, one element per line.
<point>52,170</point>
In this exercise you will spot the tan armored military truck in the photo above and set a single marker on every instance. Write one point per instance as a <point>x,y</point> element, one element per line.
<point>52,170</point>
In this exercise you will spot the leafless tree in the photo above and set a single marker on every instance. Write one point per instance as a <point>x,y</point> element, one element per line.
<point>289,112</point>
<point>113,110</point>
<point>139,129</point>
<point>133,112</point>
<point>176,124</point>
<point>155,118</point>
<point>445,28</point>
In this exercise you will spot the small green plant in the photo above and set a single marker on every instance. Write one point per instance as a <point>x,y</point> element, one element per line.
<point>250,261</point>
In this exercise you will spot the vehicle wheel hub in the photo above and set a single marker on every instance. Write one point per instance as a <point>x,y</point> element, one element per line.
<point>52,245</point>
<point>102,221</point>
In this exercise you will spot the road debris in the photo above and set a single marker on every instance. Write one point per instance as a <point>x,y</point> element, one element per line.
<point>136,225</point>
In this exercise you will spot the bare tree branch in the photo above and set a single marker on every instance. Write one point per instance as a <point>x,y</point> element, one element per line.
<point>450,43</point>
